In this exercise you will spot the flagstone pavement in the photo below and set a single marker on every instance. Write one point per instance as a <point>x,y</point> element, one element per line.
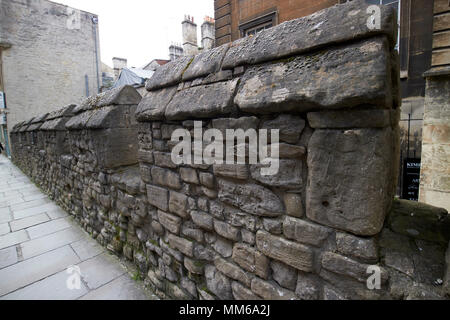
<point>39,242</point>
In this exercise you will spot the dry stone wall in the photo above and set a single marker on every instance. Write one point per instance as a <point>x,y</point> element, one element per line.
<point>330,85</point>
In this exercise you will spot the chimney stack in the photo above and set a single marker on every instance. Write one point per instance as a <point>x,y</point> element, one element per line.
<point>208,33</point>
<point>190,46</point>
<point>175,51</point>
<point>118,65</point>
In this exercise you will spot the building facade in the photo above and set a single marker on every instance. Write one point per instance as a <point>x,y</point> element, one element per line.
<point>50,57</point>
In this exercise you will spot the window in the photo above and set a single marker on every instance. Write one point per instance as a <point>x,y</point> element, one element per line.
<point>259,24</point>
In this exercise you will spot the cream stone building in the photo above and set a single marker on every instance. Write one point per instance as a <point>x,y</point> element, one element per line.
<point>49,57</point>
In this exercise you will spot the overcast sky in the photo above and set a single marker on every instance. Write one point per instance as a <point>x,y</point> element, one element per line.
<point>141,30</point>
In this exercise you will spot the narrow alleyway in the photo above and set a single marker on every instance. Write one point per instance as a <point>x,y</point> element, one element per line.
<point>39,241</point>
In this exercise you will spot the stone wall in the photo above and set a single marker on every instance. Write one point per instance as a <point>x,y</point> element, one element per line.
<point>215,231</point>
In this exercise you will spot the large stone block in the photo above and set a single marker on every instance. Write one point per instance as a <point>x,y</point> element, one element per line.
<point>250,198</point>
<point>206,62</point>
<point>178,204</point>
<point>290,127</point>
<point>251,260</point>
<point>164,177</point>
<point>337,24</point>
<point>168,74</point>
<point>169,221</point>
<point>232,271</point>
<point>153,104</point>
<point>237,171</point>
<point>203,220</point>
<point>350,119</point>
<point>183,245</point>
<point>350,179</point>
<point>294,254</point>
<point>342,77</point>
<point>217,283</point>
<point>305,232</point>
<point>210,101</point>
<point>271,291</point>
<point>289,174</point>
<point>158,197</point>
<point>360,248</point>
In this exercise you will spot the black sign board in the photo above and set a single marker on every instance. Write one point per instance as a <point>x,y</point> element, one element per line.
<point>411,179</point>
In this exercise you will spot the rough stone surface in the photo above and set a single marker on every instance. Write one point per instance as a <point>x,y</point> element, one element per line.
<point>310,82</point>
<point>217,283</point>
<point>206,62</point>
<point>169,221</point>
<point>290,127</point>
<point>293,254</point>
<point>242,293</point>
<point>350,119</point>
<point>211,100</point>
<point>333,25</point>
<point>251,260</point>
<point>285,276</point>
<point>168,74</point>
<point>232,271</point>
<point>352,158</point>
<point>305,232</point>
<point>251,198</point>
<point>349,245</point>
<point>270,291</point>
<point>294,205</point>
<point>158,197</point>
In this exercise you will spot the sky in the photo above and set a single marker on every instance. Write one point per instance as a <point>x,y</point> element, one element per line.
<point>141,30</point>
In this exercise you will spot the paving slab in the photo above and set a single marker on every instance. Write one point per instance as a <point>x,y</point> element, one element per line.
<point>50,242</point>
<point>13,238</point>
<point>28,222</point>
<point>48,228</point>
<point>8,256</point>
<point>100,270</point>
<point>51,288</point>
<point>29,271</point>
<point>4,229</point>
<point>122,288</point>
<point>30,204</point>
<point>87,248</point>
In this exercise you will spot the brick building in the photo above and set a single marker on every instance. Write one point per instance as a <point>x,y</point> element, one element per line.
<point>49,57</point>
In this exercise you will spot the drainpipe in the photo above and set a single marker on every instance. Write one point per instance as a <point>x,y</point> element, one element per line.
<point>95,24</point>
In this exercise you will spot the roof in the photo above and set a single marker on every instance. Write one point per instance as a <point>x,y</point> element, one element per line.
<point>133,77</point>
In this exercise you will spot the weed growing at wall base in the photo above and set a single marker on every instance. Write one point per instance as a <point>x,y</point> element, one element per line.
<point>238,147</point>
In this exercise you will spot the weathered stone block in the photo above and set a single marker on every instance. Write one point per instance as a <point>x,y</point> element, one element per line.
<point>232,271</point>
<point>360,248</point>
<point>293,254</point>
<point>294,205</point>
<point>189,175</point>
<point>169,221</point>
<point>207,180</point>
<point>194,267</point>
<point>217,283</point>
<point>178,204</point>
<point>158,197</point>
<point>330,26</point>
<point>347,267</point>
<point>210,101</point>
<point>305,232</point>
<point>273,226</point>
<point>203,220</point>
<point>242,293</point>
<point>270,291</point>
<point>223,247</point>
<point>308,286</point>
<point>251,260</point>
<point>168,74</point>
<point>250,198</point>
<point>320,80</point>
<point>244,123</point>
<point>206,62</point>
<point>153,104</point>
<point>237,171</point>
<point>289,174</point>
<point>285,275</point>
<point>290,127</point>
<point>226,230</point>
<point>183,245</point>
<point>350,179</point>
<point>350,119</point>
<point>164,177</point>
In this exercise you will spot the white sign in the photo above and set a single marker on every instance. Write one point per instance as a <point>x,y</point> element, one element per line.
<point>2,100</point>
